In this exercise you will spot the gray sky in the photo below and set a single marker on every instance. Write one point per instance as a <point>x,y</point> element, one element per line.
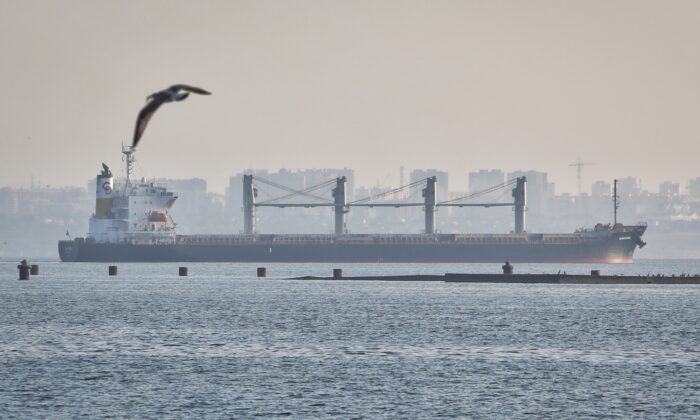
<point>371,85</point>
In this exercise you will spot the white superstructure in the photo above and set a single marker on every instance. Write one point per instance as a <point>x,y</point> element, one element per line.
<point>135,212</point>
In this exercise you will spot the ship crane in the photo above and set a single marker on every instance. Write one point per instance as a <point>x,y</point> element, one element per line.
<point>519,203</point>
<point>342,206</point>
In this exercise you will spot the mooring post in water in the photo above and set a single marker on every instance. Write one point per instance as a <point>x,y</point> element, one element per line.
<point>507,268</point>
<point>616,203</point>
<point>34,270</point>
<point>262,272</point>
<point>182,271</point>
<point>112,270</point>
<point>337,273</point>
<point>24,270</point>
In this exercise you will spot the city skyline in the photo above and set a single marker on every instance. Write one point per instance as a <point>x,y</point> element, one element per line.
<point>462,183</point>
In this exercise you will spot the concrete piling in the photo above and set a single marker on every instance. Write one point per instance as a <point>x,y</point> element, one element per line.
<point>112,270</point>
<point>34,270</point>
<point>182,271</point>
<point>337,273</point>
<point>262,272</point>
<point>24,270</point>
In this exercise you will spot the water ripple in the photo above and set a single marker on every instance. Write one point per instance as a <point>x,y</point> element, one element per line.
<point>150,345</point>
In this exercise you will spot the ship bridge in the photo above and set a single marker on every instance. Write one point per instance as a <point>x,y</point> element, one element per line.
<point>134,212</point>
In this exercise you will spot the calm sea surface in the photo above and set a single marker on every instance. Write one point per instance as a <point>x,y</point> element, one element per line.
<point>221,343</point>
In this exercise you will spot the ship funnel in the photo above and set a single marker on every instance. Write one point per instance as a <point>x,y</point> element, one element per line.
<point>104,189</point>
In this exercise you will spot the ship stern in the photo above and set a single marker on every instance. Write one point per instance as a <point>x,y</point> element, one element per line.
<point>68,251</point>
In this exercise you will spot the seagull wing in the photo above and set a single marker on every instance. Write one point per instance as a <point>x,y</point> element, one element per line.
<point>189,89</point>
<point>145,116</point>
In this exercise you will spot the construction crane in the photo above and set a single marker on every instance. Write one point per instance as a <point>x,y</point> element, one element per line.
<point>578,164</point>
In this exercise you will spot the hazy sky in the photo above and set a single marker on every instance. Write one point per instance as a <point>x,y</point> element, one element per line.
<point>371,85</point>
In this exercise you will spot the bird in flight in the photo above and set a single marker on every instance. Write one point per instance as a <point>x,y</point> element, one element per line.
<point>174,93</point>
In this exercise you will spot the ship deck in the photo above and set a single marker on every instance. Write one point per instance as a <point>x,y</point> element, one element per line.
<point>359,239</point>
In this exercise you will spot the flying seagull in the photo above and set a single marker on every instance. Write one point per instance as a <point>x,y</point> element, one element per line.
<point>171,94</point>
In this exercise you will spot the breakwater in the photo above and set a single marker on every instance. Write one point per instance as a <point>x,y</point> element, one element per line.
<point>524,278</point>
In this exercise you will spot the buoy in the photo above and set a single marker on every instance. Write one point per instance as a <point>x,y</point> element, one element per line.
<point>34,270</point>
<point>262,272</point>
<point>182,271</point>
<point>112,270</point>
<point>24,270</point>
<point>337,273</point>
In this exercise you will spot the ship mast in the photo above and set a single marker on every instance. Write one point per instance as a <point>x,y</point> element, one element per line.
<point>616,203</point>
<point>128,152</point>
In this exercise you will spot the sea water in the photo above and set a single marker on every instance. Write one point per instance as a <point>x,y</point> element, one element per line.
<point>75,342</point>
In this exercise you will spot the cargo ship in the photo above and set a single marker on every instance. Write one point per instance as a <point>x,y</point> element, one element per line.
<point>131,223</point>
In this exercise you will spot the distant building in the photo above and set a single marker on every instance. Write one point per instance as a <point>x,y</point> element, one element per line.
<point>9,202</point>
<point>196,209</point>
<point>192,195</point>
<point>551,189</point>
<point>483,179</point>
<point>538,189</point>
<point>694,187</point>
<point>669,189</point>
<point>629,186</point>
<point>442,188</point>
<point>600,189</point>
<point>536,181</point>
<point>31,220</point>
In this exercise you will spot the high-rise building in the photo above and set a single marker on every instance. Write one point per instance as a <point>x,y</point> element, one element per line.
<point>669,189</point>
<point>483,179</point>
<point>694,187</point>
<point>192,194</point>
<point>629,186</point>
<point>442,187</point>
<point>196,210</point>
<point>538,189</point>
<point>600,189</point>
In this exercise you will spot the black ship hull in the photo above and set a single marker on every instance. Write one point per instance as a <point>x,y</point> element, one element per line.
<point>614,246</point>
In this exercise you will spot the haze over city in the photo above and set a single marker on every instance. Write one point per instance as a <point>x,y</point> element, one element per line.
<point>458,86</point>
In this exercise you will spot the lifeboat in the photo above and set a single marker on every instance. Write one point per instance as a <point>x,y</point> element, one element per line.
<point>155,216</point>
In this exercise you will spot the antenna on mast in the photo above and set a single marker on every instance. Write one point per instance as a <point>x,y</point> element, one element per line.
<point>128,152</point>
<point>616,202</point>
